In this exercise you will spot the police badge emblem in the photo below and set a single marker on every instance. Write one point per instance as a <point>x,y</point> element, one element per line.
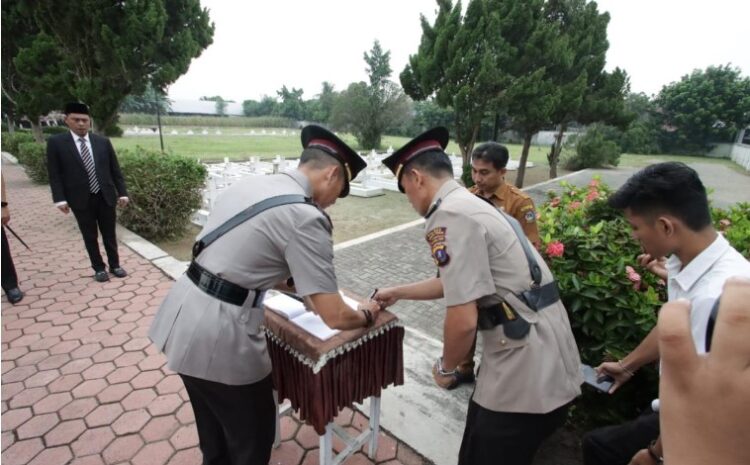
<point>436,239</point>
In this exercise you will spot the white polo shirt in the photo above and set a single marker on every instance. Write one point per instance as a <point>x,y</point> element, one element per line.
<point>702,281</point>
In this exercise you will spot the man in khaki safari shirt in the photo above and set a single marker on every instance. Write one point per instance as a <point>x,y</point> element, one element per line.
<point>527,377</point>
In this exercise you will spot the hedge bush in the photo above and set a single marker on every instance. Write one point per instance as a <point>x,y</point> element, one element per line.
<point>734,224</point>
<point>164,191</point>
<point>10,142</point>
<point>612,303</point>
<point>33,157</point>
<point>596,148</point>
<point>53,130</point>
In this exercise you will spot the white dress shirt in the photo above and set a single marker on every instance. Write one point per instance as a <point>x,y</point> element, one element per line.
<point>702,281</point>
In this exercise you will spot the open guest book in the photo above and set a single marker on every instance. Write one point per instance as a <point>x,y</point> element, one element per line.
<point>295,311</point>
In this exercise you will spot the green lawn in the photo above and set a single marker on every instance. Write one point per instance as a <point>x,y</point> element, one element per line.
<point>235,145</point>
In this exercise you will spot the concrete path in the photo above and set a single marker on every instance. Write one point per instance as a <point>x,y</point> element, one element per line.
<point>81,383</point>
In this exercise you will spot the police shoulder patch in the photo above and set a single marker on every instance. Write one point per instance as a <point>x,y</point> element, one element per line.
<point>436,239</point>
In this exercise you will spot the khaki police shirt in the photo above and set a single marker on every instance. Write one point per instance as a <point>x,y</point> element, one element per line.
<point>217,341</point>
<point>517,204</point>
<point>481,260</point>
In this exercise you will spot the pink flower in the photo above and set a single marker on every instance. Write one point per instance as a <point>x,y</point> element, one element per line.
<point>555,249</point>
<point>555,202</point>
<point>574,205</point>
<point>594,183</point>
<point>593,195</point>
<point>634,277</point>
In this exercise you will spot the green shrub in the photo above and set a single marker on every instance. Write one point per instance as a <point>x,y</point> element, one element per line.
<point>33,157</point>
<point>594,149</point>
<point>612,307</point>
<point>11,142</point>
<point>164,190</point>
<point>53,130</point>
<point>734,223</point>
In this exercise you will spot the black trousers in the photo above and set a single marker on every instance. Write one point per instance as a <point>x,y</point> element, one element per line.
<point>236,424</point>
<point>99,216</point>
<point>502,438</point>
<point>616,445</point>
<point>9,276</point>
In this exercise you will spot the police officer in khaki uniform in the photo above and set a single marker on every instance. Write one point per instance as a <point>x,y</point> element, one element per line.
<point>530,368</point>
<point>209,324</point>
<point>488,168</point>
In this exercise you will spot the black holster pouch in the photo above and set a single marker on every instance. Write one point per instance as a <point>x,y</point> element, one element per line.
<point>539,297</point>
<point>514,326</point>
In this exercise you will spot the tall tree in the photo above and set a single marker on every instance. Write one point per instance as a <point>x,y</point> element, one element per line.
<point>33,68</point>
<point>586,31</point>
<point>368,110</point>
<point>459,62</point>
<point>704,107</point>
<point>291,105</point>
<point>116,48</point>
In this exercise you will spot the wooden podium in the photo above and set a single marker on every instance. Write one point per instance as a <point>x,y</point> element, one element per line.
<point>322,377</point>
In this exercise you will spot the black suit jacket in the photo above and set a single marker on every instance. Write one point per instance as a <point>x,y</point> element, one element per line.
<point>68,177</point>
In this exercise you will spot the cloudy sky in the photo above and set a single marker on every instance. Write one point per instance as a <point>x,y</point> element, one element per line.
<point>261,45</point>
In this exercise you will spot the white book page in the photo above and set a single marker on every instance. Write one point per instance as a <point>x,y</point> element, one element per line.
<point>314,325</point>
<point>285,306</point>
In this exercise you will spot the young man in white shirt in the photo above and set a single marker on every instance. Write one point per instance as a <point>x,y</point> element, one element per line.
<point>667,207</point>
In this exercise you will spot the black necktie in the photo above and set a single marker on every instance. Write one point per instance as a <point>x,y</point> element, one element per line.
<point>88,163</point>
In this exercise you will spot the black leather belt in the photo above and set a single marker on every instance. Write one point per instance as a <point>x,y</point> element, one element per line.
<point>220,288</point>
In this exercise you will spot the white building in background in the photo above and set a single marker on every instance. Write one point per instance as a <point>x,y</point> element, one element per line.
<point>740,153</point>
<point>203,107</point>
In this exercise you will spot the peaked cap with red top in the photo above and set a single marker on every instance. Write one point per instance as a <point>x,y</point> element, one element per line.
<point>433,139</point>
<point>314,136</point>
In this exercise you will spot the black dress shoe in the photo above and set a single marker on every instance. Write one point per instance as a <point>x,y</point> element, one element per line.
<point>14,295</point>
<point>118,271</point>
<point>101,276</point>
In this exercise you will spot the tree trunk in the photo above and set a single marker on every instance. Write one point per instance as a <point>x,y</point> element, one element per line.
<point>496,127</point>
<point>11,126</point>
<point>522,161</point>
<point>36,130</point>
<point>554,158</point>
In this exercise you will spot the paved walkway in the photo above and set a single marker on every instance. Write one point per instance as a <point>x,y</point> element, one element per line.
<point>81,383</point>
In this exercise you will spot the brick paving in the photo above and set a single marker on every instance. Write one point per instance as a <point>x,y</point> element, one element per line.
<point>81,383</point>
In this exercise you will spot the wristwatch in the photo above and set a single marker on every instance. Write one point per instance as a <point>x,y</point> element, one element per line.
<point>441,371</point>
<point>652,452</point>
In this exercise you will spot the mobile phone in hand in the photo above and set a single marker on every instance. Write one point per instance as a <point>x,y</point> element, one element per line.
<point>602,383</point>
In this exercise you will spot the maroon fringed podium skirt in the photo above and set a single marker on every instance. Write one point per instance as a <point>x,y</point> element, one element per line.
<point>322,377</point>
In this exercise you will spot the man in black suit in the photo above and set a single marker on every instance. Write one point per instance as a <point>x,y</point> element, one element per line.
<point>85,177</point>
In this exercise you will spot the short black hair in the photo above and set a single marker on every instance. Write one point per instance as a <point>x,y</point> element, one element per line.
<point>318,159</point>
<point>495,153</point>
<point>433,162</point>
<point>670,187</point>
